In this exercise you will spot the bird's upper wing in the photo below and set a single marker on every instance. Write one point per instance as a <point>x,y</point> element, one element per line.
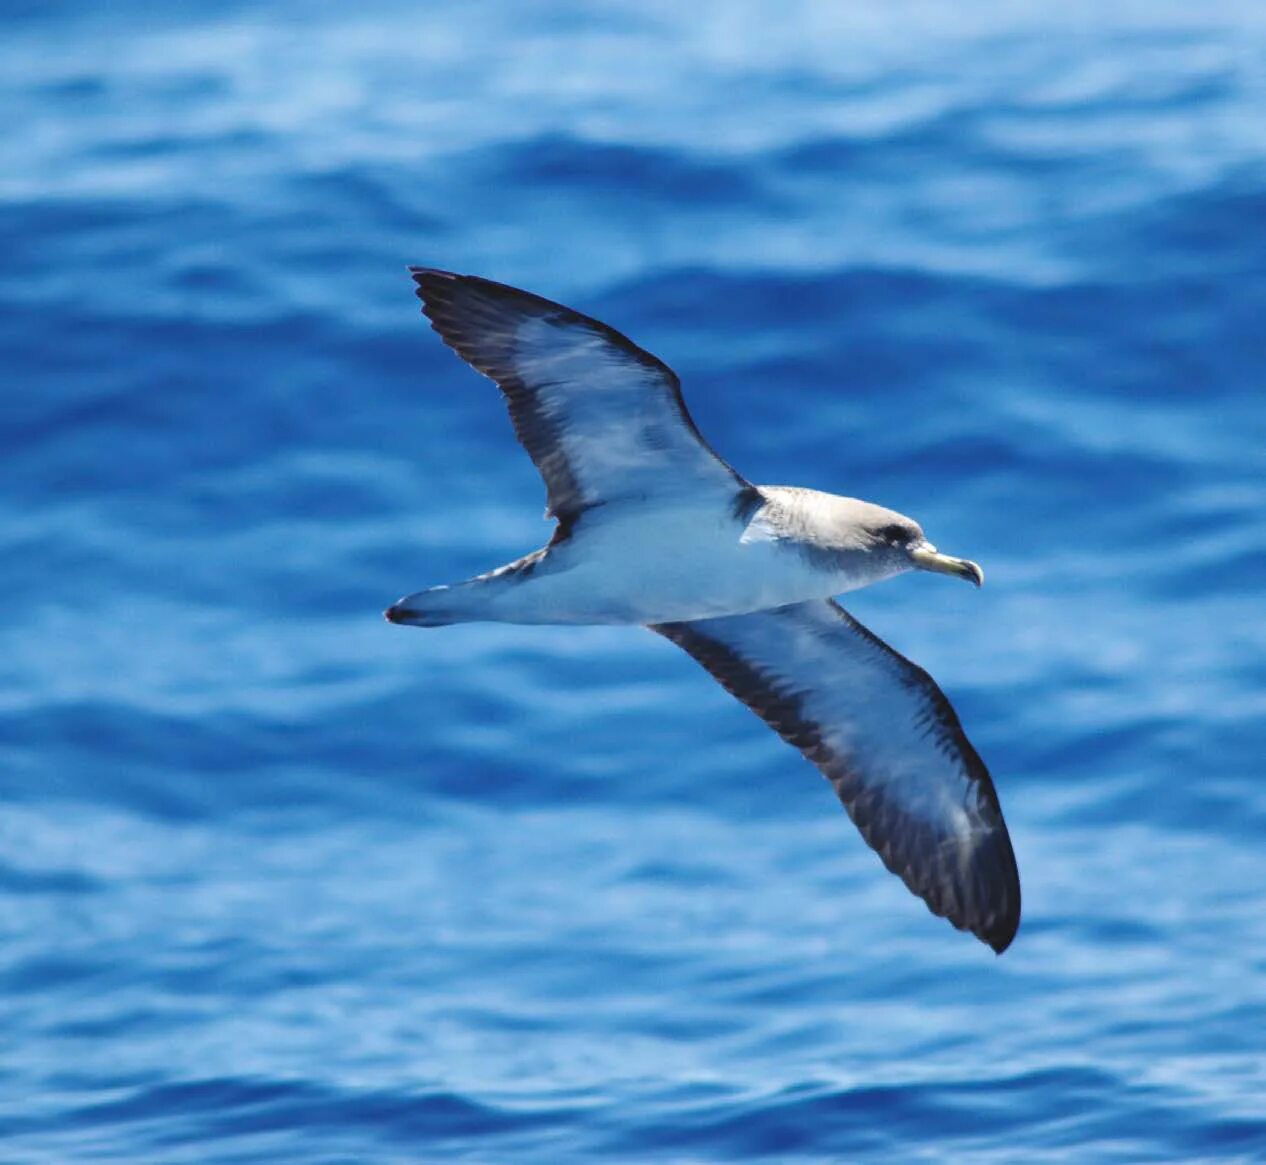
<point>602,419</point>
<point>887,739</point>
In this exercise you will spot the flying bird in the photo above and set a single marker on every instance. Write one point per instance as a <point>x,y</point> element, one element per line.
<point>655,529</point>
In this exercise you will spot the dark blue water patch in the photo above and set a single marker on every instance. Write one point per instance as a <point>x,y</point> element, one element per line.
<point>951,138</point>
<point>360,203</point>
<point>631,174</point>
<point>30,227</point>
<point>855,298</point>
<point>169,765</point>
<point>44,974</point>
<point>200,1111</point>
<point>1205,233</point>
<point>26,880</point>
<point>818,1119</point>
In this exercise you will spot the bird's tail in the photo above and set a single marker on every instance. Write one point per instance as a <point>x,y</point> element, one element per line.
<point>477,600</point>
<point>436,607</point>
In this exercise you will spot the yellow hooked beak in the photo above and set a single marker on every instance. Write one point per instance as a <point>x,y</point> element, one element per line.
<point>927,557</point>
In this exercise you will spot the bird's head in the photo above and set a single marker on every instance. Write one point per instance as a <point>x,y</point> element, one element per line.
<point>891,534</point>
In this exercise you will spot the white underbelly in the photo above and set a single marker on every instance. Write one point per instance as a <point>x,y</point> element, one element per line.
<point>661,568</point>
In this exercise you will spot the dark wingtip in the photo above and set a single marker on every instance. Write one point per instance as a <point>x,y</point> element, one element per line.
<point>1003,930</point>
<point>429,278</point>
<point>991,907</point>
<point>433,286</point>
<point>1000,942</point>
<point>995,931</point>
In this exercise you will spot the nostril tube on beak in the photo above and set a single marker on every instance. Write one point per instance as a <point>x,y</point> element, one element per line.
<point>927,557</point>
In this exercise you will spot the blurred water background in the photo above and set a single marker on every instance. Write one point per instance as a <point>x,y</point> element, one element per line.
<point>281,882</point>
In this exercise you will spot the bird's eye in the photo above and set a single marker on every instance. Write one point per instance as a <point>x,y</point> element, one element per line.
<point>893,535</point>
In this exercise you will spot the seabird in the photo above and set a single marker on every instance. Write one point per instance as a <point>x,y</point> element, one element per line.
<point>654,529</point>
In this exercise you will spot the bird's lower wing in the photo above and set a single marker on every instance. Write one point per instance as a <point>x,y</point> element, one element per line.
<point>888,740</point>
<point>602,419</point>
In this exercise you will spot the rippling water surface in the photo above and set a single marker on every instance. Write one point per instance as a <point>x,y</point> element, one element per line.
<point>279,881</point>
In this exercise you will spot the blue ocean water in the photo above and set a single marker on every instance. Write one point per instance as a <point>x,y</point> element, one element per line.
<point>281,882</point>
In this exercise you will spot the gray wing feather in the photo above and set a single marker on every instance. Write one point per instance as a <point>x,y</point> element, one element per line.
<point>602,419</point>
<point>887,739</point>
